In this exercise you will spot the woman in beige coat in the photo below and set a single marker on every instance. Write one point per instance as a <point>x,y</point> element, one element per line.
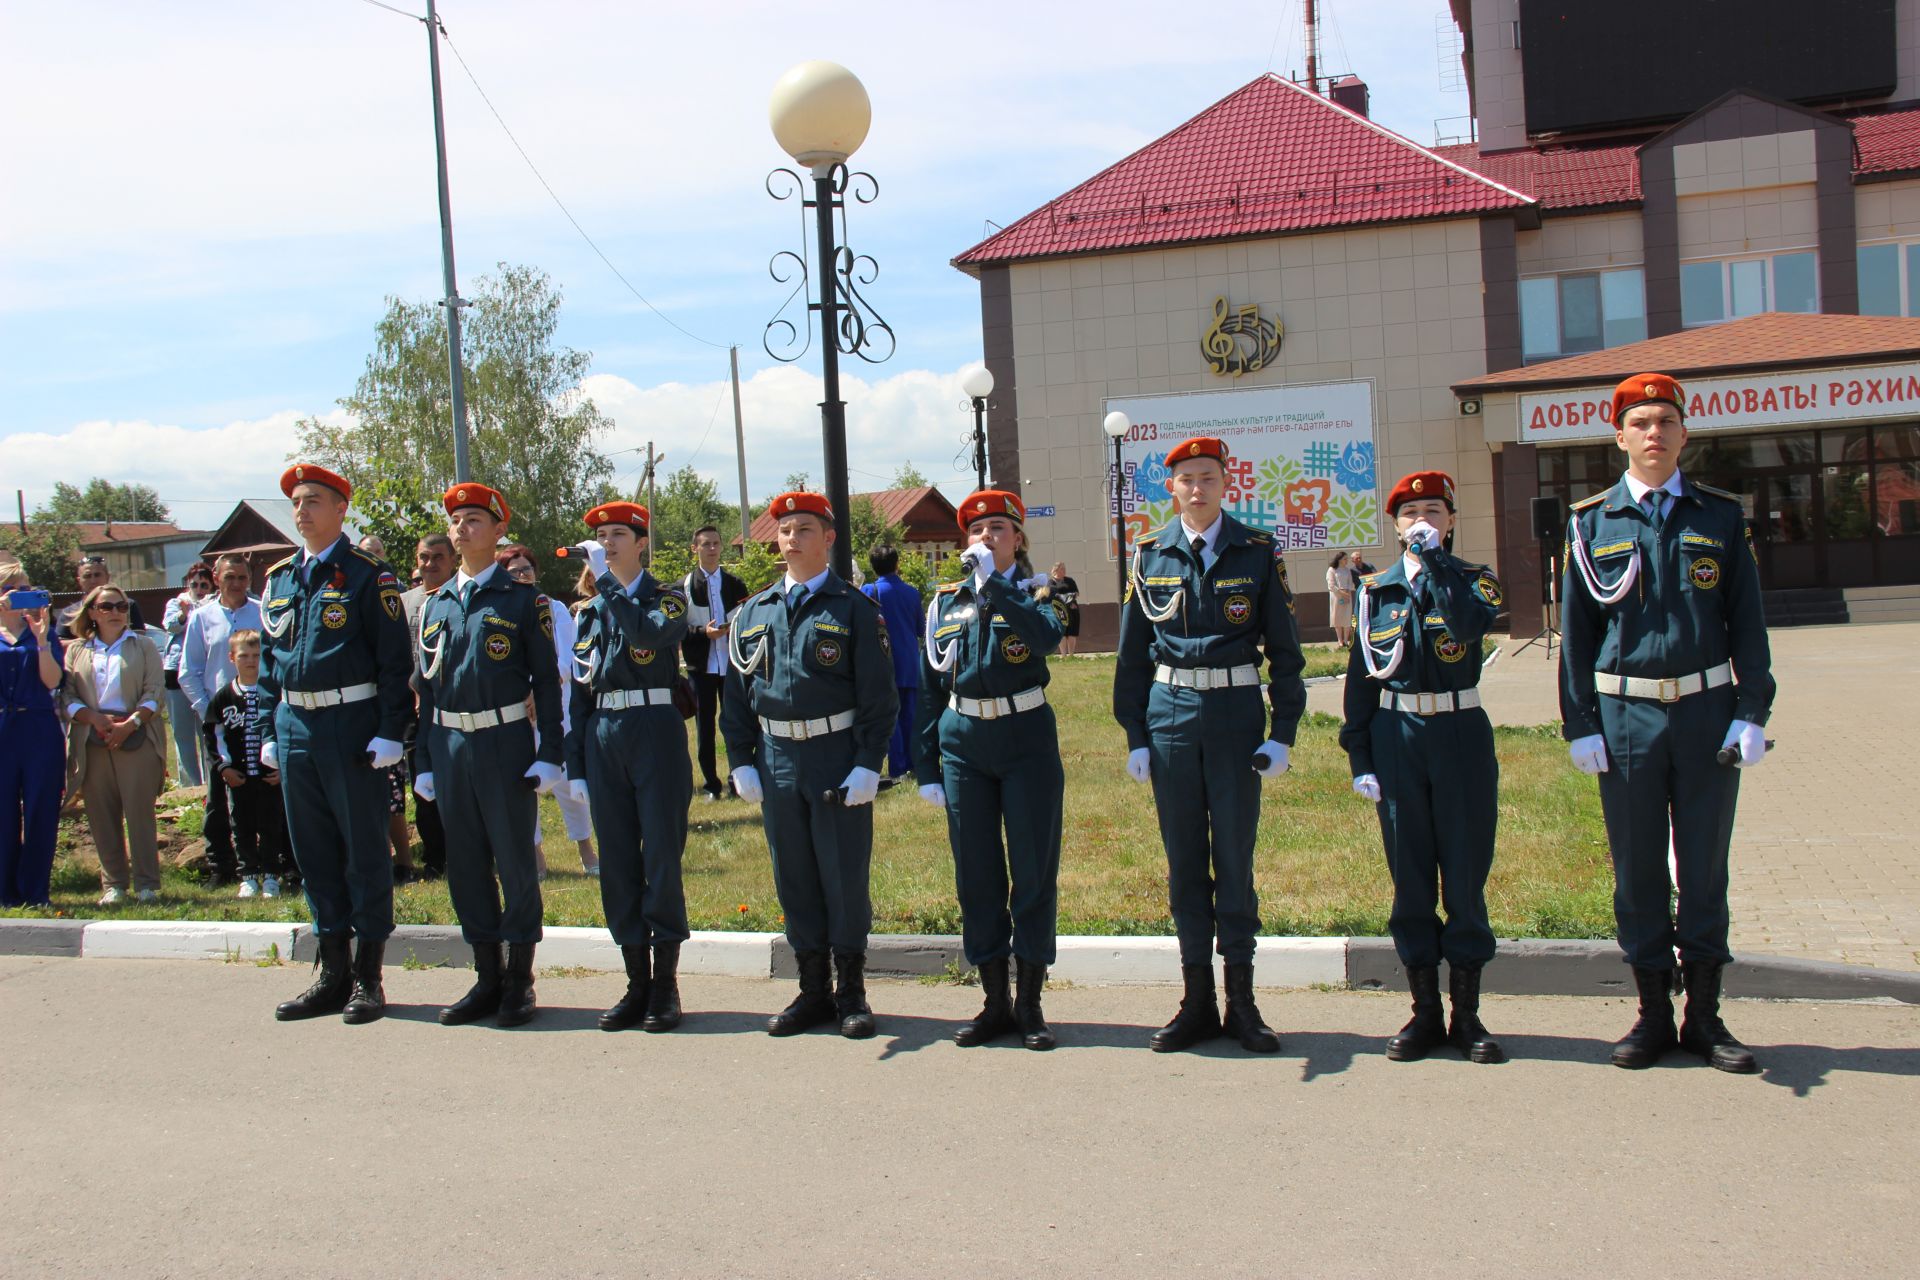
<point>116,753</point>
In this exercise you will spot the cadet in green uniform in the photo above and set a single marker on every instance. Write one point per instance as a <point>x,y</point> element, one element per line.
<point>486,642</point>
<point>1206,597</point>
<point>1422,750</point>
<point>333,683</point>
<point>627,757</point>
<point>986,751</point>
<point>807,712</point>
<point>1665,673</point>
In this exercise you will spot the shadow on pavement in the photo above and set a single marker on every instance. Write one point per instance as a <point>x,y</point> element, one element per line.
<point>1804,1067</point>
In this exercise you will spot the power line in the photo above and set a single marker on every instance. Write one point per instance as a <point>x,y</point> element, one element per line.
<point>558,203</point>
<point>390,9</point>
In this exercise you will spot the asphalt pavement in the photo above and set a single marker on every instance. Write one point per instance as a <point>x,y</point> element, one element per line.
<point>159,1122</point>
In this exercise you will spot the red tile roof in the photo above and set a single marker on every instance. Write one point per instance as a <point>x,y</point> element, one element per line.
<point>1560,179</point>
<point>1886,143</point>
<point>1269,157</point>
<point>1772,341</point>
<point>923,513</point>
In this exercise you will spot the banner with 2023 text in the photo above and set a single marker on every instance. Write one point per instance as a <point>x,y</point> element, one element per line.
<point>1303,461</point>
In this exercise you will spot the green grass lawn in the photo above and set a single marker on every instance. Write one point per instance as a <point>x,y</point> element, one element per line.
<point>1320,868</point>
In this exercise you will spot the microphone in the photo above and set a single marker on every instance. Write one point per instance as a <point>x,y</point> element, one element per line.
<point>562,553</point>
<point>1731,755</point>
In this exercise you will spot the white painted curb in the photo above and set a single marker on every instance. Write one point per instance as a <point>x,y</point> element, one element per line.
<point>1278,962</point>
<point>184,940</point>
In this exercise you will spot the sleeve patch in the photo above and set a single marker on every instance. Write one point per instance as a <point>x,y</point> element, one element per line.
<point>1487,589</point>
<point>672,606</point>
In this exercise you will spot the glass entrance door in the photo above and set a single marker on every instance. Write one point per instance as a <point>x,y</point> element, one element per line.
<point>1787,528</point>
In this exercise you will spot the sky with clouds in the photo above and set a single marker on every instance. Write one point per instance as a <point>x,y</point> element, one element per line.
<point>208,203</point>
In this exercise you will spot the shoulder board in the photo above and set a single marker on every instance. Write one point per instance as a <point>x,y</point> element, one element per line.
<point>275,568</point>
<point>1257,538</point>
<point>368,556</point>
<point>947,588</point>
<point>1718,493</point>
<point>1595,499</point>
<point>1368,579</point>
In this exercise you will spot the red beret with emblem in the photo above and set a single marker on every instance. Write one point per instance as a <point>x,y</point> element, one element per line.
<point>1647,388</point>
<point>307,473</point>
<point>470,493</point>
<point>991,502</point>
<point>630,513</point>
<point>1421,484</point>
<point>1199,447</point>
<point>801,503</point>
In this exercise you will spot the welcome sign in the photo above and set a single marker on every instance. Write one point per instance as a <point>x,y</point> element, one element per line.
<point>1302,461</point>
<point>1766,400</point>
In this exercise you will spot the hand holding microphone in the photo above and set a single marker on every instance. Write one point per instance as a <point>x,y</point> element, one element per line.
<point>1422,537</point>
<point>595,554</point>
<point>979,558</point>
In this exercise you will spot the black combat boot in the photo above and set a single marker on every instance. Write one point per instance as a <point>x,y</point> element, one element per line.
<point>483,997</point>
<point>1199,1015</point>
<point>1652,1034</point>
<point>516,988</point>
<point>331,989</point>
<point>1427,1029</point>
<point>630,1008</point>
<point>1243,1021</point>
<point>814,1005</point>
<point>1701,1030</point>
<point>663,998</point>
<point>1034,1031</point>
<point>1469,1036</point>
<point>995,1018</point>
<point>369,1002</point>
<point>850,997</point>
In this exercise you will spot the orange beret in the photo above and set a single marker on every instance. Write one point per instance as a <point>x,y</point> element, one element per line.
<point>307,473</point>
<point>1199,447</point>
<point>473,494</point>
<point>1421,484</point>
<point>618,513</point>
<point>991,502</point>
<point>1647,388</point>
<point>813,504</point>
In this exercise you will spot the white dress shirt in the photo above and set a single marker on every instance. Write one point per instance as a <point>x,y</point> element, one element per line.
<point>1212,534</point>
<point>461,581</point>
<point>813,584</point>
<point>108,668</point>
<point>716,613</point>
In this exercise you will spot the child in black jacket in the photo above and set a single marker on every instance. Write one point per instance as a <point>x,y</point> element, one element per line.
<point>235,731</point>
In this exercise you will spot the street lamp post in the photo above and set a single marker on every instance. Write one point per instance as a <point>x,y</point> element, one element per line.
<point>978,384</point>
<point>820,113</point>
<point>1116,426</point>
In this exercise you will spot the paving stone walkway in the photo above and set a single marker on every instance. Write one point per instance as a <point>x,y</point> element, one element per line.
<point>1826,853</point>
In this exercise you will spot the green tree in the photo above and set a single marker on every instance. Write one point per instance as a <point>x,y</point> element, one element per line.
<point>686,502</point>
<point>869,529</point>
<point>533,433</point>
<point>103,500</point>
<point>909,477</point>
<point>795,482</point>
<point>46,549</point>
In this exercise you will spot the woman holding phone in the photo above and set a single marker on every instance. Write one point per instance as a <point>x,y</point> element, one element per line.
<point>31,765</point>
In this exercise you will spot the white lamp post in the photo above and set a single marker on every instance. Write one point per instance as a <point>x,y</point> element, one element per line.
<point>978,384</point>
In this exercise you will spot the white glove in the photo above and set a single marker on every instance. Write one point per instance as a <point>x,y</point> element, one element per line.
<point>1589,753</point>
<point>979,558</point>
<point>1752,741</point>
<point>1139,765</point>
<point>934,794</point>
<point>1034,583</point>
<point>1275,755</point>
<point>1367,787</point>
<point>545,776</point>
<point>423,787</point>
<point>746,781</point>
<point>577,791</point>
<point>270,756</point>
<point>386,752</point>
<point>861,786</point>
<point>1422,535</point>
<point>595,553</point>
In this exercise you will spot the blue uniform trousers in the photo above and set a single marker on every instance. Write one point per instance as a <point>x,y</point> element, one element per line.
<point>1663,783</point>
<point>822,853</point>
<point>1439,788</point>
<point>1004,772</point>
<point>337,817</point>
<point>1201,745</point>
<point>187,743</point>
<point>900,746</point>
<point>33,765</point>
<point>489,809</point>
<point>639,783</point>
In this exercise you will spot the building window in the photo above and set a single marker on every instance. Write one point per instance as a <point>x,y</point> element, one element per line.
<point>1567,314</point>
<point>1889,279</point>
<point>1711,292</point>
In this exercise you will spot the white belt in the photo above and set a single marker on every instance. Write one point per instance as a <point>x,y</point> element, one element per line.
<point>1665,689</point>
<point>994,708</point>
<point>1433,704</point>
<point>621,699</point>
<point>468,721</point>
<point>328,697</point>
<point>1207,677</point>
<point>801,730</point>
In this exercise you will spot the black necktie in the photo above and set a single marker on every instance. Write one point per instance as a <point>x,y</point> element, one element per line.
<point>1200,551</point>
<point>796,595</point>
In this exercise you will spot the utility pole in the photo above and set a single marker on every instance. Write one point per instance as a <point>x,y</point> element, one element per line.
<point>740,450</point>
<point>20,496</point>
<point>647,485</point>
<point>462,469</point>
<point>1313,50</point>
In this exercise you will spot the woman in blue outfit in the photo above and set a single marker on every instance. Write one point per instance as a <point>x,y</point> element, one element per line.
<point>33,751</point>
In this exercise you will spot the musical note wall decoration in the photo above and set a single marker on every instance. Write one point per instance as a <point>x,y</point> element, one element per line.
<point>1240,340</point>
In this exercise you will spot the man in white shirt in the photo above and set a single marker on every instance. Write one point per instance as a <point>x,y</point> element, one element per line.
<point>712,596</point>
